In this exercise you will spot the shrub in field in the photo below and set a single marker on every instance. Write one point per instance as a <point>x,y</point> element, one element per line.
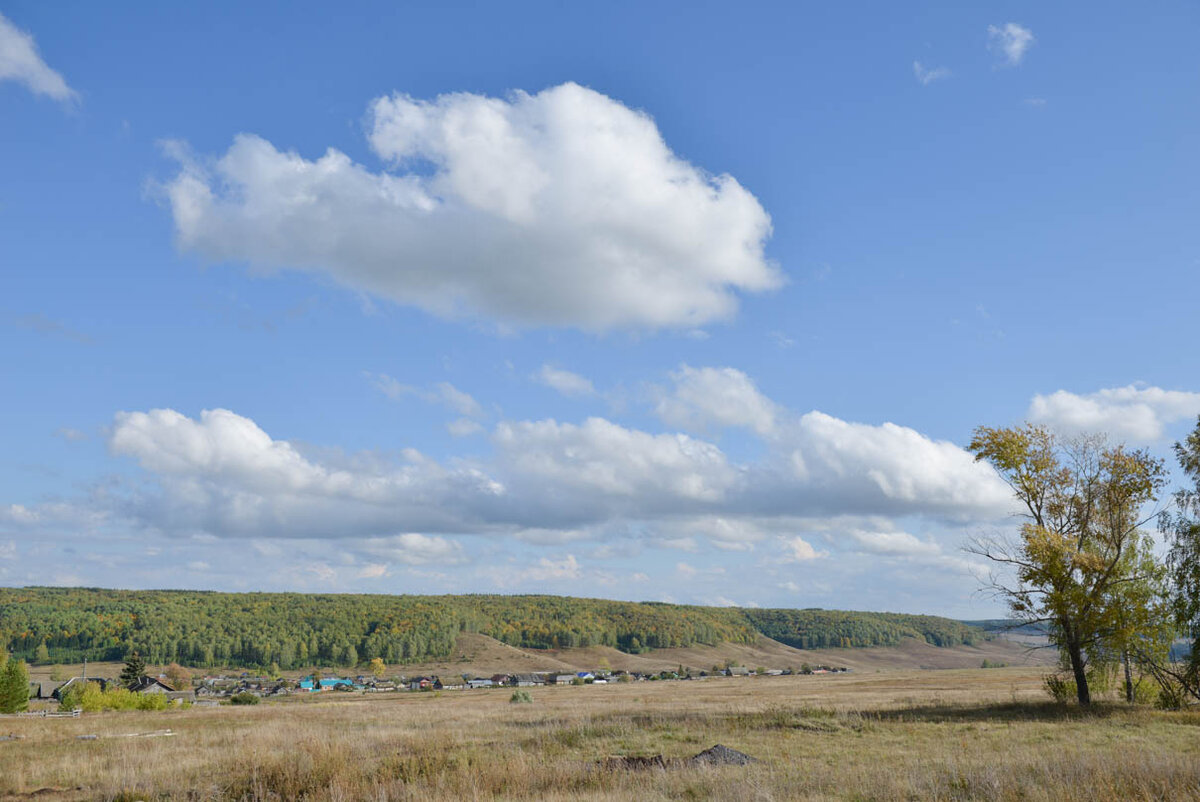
<point>1146,693</point>
<point>90,699</point>
<point>520,697</point>
<point>244,698</point>
<point>1060,688</point>
<point>1171,695</point>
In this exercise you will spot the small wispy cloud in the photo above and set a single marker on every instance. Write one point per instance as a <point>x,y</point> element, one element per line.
<point>564,381</point>
<point>20,62</point>
<point>782,340</point>
<point>927,75</point>
<point>1010,40</point>
<point>52,328</point>
<point>443,393</point>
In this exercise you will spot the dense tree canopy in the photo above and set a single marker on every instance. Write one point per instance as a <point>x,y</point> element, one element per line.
<point>293,630</point>
<point>818,629</point>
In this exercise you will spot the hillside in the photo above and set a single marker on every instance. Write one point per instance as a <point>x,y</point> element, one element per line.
<point>199,628</point>
<point>479,655</point>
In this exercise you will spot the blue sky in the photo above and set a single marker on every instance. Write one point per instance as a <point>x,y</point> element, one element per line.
<point>651,303</point>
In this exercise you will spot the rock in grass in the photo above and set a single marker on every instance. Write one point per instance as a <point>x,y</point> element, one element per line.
<point>721,755</point>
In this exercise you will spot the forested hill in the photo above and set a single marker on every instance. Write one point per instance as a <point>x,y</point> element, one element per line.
<point>202,628</point>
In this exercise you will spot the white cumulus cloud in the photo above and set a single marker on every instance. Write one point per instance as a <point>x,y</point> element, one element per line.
<point>220,474</point>
<point>716,397</point>
<point>599,456</point>
<point>560,208</point>
<point>888,467</point>
<point>20,62</point>
<point>1134,412</point>
<point>1010,40</point>
<point>797,549</point>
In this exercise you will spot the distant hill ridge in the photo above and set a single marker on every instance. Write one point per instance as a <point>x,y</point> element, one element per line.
<point>208,628</point>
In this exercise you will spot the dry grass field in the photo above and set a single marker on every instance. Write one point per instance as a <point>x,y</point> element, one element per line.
<point>920,735</point>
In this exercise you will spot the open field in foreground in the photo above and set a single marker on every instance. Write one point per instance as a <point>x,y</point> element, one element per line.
<point>963,734</point>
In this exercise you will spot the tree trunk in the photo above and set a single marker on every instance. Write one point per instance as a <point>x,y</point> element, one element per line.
<point>1075,653</point>
<point>1128,678</point>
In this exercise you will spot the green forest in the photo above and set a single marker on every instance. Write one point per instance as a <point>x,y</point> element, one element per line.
<point>292,630</point>
<point>822,629</point>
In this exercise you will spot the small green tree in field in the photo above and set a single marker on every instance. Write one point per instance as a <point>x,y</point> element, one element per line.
<point>14,687</point>
<point>520,697</point>
<point>42,655</point>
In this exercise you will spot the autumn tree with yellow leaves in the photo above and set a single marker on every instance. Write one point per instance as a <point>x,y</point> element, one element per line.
<point>1081,563</point>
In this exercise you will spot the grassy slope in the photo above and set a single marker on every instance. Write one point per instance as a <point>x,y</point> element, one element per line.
<point>477,654</point>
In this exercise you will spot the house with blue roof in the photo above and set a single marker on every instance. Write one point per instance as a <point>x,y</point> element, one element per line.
<point>324,684</point>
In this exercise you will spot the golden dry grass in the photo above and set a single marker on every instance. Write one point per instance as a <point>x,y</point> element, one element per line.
<point>967,734</point>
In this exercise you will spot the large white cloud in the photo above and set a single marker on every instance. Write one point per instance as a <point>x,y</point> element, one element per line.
<point>1134,413</point>
<point>20,61</point>
<point>562,208</point>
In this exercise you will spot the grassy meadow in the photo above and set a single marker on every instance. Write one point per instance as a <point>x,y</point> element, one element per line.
<point>960,734</point>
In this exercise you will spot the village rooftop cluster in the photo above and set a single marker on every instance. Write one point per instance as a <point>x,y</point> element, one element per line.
<point>212,689</point>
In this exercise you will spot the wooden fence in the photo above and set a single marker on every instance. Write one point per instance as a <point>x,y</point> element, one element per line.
<point>42,714</point>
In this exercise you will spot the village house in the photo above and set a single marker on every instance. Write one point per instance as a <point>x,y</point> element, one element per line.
<point>325,684</point>
<point>527,680</point>
<point>103,682</point>
<point>425,684</point>
<point>153,685</point>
